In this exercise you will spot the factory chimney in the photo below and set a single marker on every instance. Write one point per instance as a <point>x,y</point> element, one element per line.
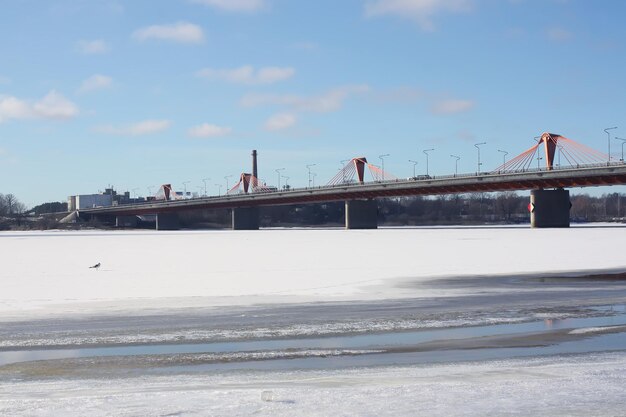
<point>254,170</point>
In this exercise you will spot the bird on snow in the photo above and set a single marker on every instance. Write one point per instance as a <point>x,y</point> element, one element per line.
<point>96,266</point>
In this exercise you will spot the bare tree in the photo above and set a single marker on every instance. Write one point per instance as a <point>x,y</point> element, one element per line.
<point>10,205</point>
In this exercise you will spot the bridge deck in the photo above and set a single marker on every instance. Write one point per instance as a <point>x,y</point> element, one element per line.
<point>586,176</point>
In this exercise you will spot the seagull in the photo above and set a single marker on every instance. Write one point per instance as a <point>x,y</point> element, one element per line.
<point>96,266</point>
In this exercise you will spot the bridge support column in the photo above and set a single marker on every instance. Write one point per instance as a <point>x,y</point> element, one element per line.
<point>549,208</point>
<point>361,214</point>
<point>167,221</point>
<point>245,218</point>
<point>126,221</point>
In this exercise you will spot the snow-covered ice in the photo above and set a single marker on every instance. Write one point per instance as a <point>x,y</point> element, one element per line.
<point>46,272</point>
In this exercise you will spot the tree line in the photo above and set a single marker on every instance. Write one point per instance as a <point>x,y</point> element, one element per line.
<point>474,208</point>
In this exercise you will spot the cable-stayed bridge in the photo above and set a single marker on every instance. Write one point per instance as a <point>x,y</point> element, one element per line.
<point>584,167</point>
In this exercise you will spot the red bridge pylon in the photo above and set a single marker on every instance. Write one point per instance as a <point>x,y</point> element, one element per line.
<point>165,192</point>
<point>248,183</point>
<point>356,168</point>
<point>552,145</point>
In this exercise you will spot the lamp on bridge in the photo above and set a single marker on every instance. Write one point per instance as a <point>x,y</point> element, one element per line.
<point>204,180</point>
<point>426,153</point>
<point>414,164</point>
<point>477,145</point>
<point>609,135</point>
<point>623,141</point>
<point>382,158</point>
<point>226,178</point>
<point>456,164</point>
<point>278,172</point>
<point>309,168</point>
<point>342,169</point>
<point>505,153</point>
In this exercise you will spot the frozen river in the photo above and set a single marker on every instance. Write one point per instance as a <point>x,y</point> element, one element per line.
<point>437,321</point>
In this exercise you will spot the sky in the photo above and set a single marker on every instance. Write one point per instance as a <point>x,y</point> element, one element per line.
<point>135,94</point>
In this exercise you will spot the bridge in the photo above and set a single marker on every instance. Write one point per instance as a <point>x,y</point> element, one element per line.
<point>549,203</point>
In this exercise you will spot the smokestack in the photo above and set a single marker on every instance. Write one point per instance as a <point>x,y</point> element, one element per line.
<point>254,170</point>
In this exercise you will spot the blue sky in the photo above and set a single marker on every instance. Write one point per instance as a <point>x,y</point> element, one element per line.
<point>139,93</point>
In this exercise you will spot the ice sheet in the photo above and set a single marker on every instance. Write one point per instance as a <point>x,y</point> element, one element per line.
<point>45,272</point>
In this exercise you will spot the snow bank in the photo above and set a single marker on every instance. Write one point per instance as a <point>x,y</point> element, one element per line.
<point>591,385</point>
<point>44,270</point>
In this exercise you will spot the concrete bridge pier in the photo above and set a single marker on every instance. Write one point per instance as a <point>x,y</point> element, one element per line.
<point>126,221</point>
<point>549,208</point>
<point>361,214</point>
<point>167,221</point>
<point>245,218</point>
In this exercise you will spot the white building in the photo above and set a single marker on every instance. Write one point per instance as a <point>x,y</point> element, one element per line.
<point>89,201</point>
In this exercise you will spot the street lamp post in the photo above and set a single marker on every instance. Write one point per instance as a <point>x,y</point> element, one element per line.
<point>309,168</point>
<point>504,154</point>
<point>219,193</point>
<point>286,182</point>
<point>456,164</point>
<point>204,180</point>
<point>382,158</point>
<point>539,158</point>
<point>313,174</point>
<point>477,146</point>
<point>609,137</point>
<point>623,142</point>
<point>226,178</point>
<point>185,188</point>
<point>414,165</point>
<point>343,171</point>
<point>425,151</point>
<point>278,172</point>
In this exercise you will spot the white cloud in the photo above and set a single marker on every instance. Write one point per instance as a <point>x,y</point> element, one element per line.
<point>247,74</point>
<point>95,82</point>
<point>422,11</point>
<point>452,106</point>
<point>234,5</point>
<point>327,102</point>
<point>207,130</point>
<point>55,106</point>
<point>177,32</point>
<point>14,108</point>
<point>93,47</point>
<point>52,106</point>
<point>145,127</point>
<point>280,121</point>
<point>559,35</point>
